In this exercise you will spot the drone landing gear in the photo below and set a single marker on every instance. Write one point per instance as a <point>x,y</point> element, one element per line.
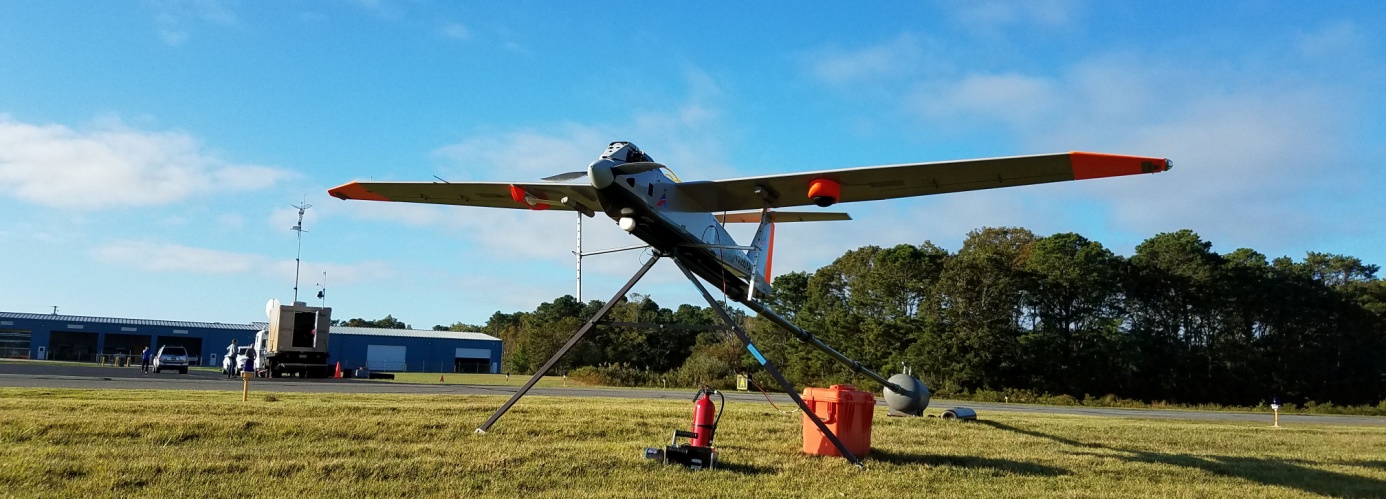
<point>730,324</point>
<point>769,367</point>
<point>582,331</point>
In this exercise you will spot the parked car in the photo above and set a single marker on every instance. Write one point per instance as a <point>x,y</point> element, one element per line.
<point>171,357</point>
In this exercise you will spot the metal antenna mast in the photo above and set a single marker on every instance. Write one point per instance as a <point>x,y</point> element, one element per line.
<point>322,292</point>
<point>578,253</point>
<point>299,255</point>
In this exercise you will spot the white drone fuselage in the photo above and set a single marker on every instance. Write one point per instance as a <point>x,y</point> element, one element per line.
<point>648,205</point>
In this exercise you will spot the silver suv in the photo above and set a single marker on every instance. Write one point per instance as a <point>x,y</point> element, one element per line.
<point>171,357</point>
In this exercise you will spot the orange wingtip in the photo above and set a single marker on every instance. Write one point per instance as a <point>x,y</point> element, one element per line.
<point>354,190</point>
<point>1088,165</point>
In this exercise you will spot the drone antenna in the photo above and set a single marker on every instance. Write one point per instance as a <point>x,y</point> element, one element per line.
<point>298,257</point>
<point>440,179</point>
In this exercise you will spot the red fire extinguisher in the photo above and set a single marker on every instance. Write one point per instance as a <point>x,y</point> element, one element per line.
<point>705,417</point>
<point>698,453</point>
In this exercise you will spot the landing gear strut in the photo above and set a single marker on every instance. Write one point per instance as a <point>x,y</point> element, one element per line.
<point>904,395</point>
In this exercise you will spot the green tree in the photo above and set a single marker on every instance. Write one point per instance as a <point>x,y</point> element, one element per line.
<point>389,322</point>
<point>975,343</point>
<point>1074,308</point>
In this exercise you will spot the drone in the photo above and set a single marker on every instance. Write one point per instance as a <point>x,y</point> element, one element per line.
<point>686,223</point>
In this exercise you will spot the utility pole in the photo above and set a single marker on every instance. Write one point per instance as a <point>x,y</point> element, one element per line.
<point>299,255</point>
<point>578,253</point>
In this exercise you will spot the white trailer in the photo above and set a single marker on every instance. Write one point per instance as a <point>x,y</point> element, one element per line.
<point>295,341</point>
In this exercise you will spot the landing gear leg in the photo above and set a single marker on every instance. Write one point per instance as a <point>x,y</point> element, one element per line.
<point>569,345</point>
<point>769,367</point>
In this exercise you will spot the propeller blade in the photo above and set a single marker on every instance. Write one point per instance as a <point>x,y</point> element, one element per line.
<point>564,177</point>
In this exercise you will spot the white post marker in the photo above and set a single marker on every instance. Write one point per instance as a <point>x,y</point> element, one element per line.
<point>1275,407</point>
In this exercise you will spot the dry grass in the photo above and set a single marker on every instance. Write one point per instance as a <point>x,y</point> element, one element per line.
<point>477,379</point>
<point>88,443</point>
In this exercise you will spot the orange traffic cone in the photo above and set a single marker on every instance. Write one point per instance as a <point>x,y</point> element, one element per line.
<point>339,371</point>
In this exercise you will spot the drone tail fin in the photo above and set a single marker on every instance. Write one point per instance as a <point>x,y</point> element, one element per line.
<point>762,252</point>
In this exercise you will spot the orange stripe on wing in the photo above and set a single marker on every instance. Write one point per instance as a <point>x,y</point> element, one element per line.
<point>1088,165</point>
<point>354,190</point>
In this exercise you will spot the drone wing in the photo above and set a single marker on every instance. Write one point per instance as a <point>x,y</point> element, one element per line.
<point>753,217</point>
<point>530,196</point>
<point>919,179</point>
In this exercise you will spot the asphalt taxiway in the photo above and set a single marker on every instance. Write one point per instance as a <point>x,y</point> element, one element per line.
<point>49,375</point>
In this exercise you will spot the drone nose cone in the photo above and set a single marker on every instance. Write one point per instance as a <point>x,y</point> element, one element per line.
<point>600,173</point>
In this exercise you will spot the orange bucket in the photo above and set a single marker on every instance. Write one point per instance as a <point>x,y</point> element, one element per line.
<point>846,411</point>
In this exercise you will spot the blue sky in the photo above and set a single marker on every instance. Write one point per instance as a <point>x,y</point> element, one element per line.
<point>150,151</point>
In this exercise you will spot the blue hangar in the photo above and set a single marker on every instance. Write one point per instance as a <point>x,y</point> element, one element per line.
<point>83,339</point>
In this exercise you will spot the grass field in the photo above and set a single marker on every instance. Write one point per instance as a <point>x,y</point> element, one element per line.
<point>477,379</point>
<point>209,444</point>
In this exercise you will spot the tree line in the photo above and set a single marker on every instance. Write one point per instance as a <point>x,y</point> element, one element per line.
<point>1010,310</point>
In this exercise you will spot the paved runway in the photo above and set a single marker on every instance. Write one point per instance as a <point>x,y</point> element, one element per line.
<point>46,375</point>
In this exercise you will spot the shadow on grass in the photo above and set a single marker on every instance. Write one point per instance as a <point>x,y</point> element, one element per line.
<point>1381,465</point>
<point>973,462</point>
<point>1279,472</point>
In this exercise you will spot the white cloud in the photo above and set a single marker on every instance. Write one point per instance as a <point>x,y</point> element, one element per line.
<point>1010,97</point>
<point>114,165</point>
<point>173,37</point>
<point>522,154</point>
<point>992,14</point>
<point>175,258</point>
<point>686,134</point>
<point>231,221</point>
<point>689,132</point>
<point>384,9</point>
<point>173,17</point>
<point>455,31</point>
<point>1260,143</point>
<point>897,57</point>
<point>411,214</point>
<point>1339,39</point>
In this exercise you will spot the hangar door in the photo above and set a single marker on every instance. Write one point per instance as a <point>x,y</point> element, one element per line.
<point>385,357</point>
<point>68,345</point>
<point>472,360</point>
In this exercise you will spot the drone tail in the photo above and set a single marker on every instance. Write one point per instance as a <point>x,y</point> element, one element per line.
<point>761,253</point>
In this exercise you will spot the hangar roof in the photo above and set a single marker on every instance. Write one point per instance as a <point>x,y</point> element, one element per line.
<point>131,322</point>
<point>250,327</point>
<point>254,326</point>
<point>408,333</point>
<point>413,333</point>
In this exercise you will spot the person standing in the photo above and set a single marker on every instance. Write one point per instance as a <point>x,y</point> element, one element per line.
<point>145,357</point>
<point>231,354</point>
